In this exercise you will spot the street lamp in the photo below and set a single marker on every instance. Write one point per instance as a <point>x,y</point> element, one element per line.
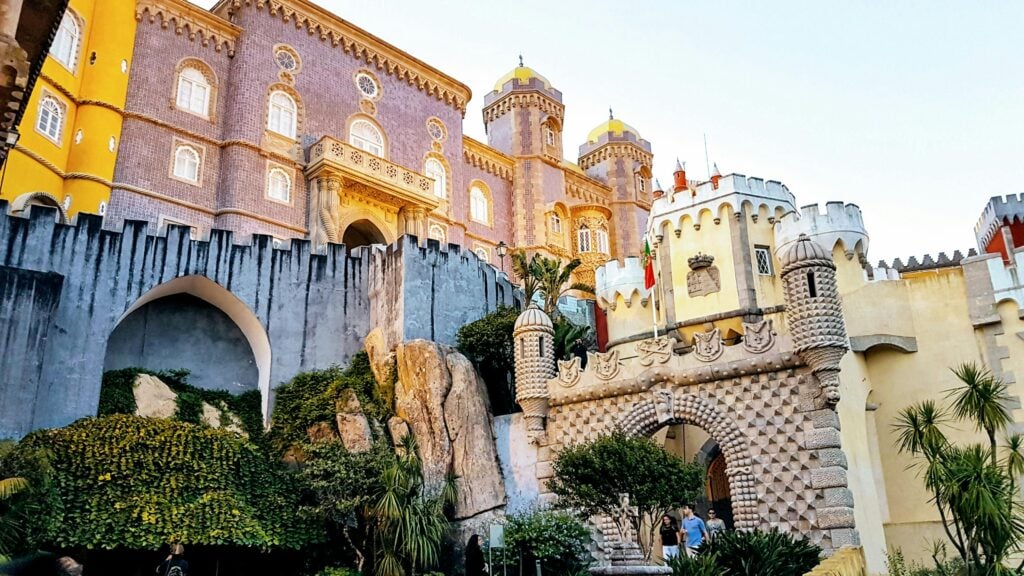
<point>502,250</point>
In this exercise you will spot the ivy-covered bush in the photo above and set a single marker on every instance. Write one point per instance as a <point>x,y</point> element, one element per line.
<point>310,398</point>
<point>117,397</point>
<point>558,539</point>
<point>487,342</point>
<point>139,483</point>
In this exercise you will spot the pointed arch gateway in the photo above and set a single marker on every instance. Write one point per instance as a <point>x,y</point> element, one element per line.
<point>663,408</point>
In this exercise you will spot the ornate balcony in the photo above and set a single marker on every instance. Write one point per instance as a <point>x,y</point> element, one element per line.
<point>392,183</point>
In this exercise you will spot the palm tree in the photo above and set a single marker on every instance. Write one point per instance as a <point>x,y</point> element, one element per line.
<point>11,486</point>
<point>528,272</point>
<point>554,279</point>
<point>982,399</point>
<point>10,523</point>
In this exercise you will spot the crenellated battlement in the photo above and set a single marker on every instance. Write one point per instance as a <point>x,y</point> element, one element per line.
<point>734,190</point>
<point>997,211</point>
<point>615,280</point>
<point>886,271</point>
<point>839,223</point>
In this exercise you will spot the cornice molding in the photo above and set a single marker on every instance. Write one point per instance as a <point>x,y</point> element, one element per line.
<point>192,20</point>
<point>363,46</point>
<point>616,150</point>
<point>482,156</point>
<point>524,99</point>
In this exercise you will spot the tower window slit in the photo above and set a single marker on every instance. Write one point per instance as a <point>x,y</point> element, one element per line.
<point>540,347</point>
<point>812,290</point>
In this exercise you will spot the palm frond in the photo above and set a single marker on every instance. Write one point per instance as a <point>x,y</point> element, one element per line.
<point>11,486</point>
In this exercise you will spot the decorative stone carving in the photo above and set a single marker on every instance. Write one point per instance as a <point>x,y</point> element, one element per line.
<point>569,372</point>
<point>330,208</point>
<point>654,350</point>
<point>703,277</point>
<point>625,515</point>
<point>664,405</point>
<point>758,337</point>
<point>534,339</point>
<point>606,364</point>
<point>708,346</point>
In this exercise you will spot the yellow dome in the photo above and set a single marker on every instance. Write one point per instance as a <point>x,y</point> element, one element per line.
<point>613,125</point>
<point>522,74</point>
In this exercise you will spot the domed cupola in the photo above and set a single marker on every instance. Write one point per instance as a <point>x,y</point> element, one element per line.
<point>522,76</point>
<point>614,128</point>
<point>814,313</point>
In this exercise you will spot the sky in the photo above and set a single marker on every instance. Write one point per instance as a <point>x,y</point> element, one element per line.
<point>913,110</point>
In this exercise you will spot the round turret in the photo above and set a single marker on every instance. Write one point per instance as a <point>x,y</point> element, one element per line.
<point>813,311</point>
<point>534,340</point>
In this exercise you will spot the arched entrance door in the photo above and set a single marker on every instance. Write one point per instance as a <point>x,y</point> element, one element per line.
<point>717,487</point>
<point>362,233</point>
<point>694,444</point>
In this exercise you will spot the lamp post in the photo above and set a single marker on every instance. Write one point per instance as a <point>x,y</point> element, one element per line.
<point>502,250</point>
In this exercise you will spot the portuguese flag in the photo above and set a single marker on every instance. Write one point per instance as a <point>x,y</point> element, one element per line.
<point>648,266</point>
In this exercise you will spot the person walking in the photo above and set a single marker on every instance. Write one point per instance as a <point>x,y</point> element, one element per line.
<point>715,525</point>
<point>669,538</point>
<point>475,565</point>
<point>175,563</point>
<point>695,530</point>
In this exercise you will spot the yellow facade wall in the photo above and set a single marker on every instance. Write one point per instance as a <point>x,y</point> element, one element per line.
<point>93,93</point>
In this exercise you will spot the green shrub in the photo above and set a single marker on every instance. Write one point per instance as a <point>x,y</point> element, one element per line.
<point>487,342</point>
<point>138,483</point>
<point>338,571</point>
<point>942,565</point>
<point>762,554</point>
<point>558,539</point>
<point>702,565</point>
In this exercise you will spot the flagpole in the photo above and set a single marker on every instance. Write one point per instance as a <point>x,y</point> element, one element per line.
<point>654,307</point>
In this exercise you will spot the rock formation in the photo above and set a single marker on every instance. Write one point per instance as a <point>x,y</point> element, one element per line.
<point>353,426</point>
<point>154,399</point>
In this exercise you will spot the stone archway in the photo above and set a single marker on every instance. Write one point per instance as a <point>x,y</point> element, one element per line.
<point>663,408</point>
<point>362,233</point>
<point>25,201</point>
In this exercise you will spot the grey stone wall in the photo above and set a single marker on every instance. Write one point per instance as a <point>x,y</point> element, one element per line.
<point>183,331</point>
<point>64,289</point>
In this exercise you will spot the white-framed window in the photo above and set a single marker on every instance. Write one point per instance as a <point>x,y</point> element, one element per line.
<point>556,224</point>
<point>279,184</point>
<point>65,44</point>
<point>436,129</point>
<point>583,240</point>
<point>286,58</point>
<point>365,136</point>
<point>763,258</point>
<point>437,233</point>
<point>434,169</point>
<point>549,135</point>
<point>50,119</point>
<point>282,115</point>
<point>187,163</point>
<point>641,184</point>
<point>193,92</point>
<point>602,241</point>
<point>367,85</point>
<point>478,205</point>
<point>483,254</point>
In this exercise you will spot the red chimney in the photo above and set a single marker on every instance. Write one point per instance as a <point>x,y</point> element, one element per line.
<point>715,177</point>
<point>680,177</point>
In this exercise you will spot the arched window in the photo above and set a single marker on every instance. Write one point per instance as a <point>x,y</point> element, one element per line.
<point>479,206</point>
<point>556,224</point>
<point>483,254</point>
<point>434,169</point>
<point>186,163</point>
<point>279,185</point>
<point>50,119</point>
<point>602,241</point>
<point>366,136</point>
<point>283,113</point>
<point>583,239</point>
<point>437,233</point>
<point>549,135</point>
<point>65,44</point>
<point>193,92</point>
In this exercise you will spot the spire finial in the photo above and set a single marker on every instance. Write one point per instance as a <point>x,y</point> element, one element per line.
<point>610,115</point>
<point>520,60</point>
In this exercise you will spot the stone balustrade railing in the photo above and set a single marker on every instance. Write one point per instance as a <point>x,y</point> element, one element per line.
<point>409,186</point>
<point>847,561</point>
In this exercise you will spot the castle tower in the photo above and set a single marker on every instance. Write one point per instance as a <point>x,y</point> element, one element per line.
<point>534,340</point>
<point>813,311</point>
<point>616,155</point>
<point>523,116</point>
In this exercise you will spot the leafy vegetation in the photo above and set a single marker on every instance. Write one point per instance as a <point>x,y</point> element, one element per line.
<point>973,486</point>
<point>310,398</point>
<point>589,477</point>
<point>117,397</point>
<point>943,566</point>
<point>566,334</point>
<point>129,482</point>
<point>750,554</point>
<point>558,539</point>
<point>547,277</point>
<point>487,342</point>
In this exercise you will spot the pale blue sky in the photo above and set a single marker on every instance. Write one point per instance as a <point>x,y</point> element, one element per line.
<point>914,110</point>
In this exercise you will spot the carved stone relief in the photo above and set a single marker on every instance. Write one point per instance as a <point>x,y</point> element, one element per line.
<point>654,350</point>
<point>707,346</point>
<point>703,277</point>
<point>569,372</point>
<point>606,364</point>
<point>758,337</point>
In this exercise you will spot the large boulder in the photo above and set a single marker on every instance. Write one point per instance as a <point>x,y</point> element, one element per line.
<point>422,386</point>
<point>475,460</point>
<point>153,398</point>
<point>353,426</point>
